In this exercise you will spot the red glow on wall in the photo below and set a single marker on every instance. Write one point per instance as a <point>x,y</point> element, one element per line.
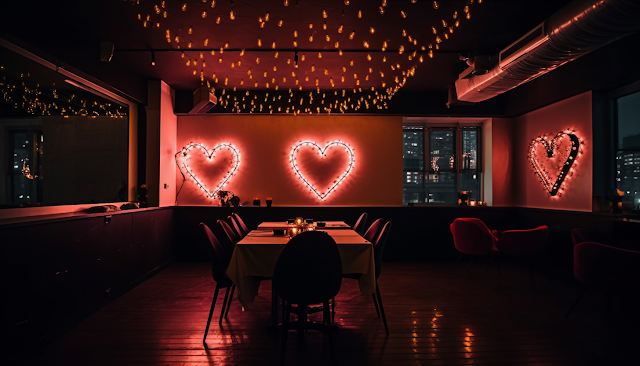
<point>322,169</point>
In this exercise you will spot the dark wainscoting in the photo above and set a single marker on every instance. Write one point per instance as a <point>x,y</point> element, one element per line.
<point>57,272</point>
<point>418,233</point>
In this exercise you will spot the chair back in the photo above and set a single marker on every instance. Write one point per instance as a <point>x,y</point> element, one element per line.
<point>472,236</point>
<point>607,267</point>
<point>243,226</point>
<point>235,226</point>
<point>524,242</point>
<point>361,223</point>
<point>581,235</point>
<point>309,269</point>
<point>374,230</point>
<point>231,234</point>
<point>379,243</point>
<point>218,255</point>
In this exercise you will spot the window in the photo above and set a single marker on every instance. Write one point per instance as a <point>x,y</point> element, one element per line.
<point>440,162</point>
<point>628,148</point>
<point>64,142</point>
<point>25,155</point>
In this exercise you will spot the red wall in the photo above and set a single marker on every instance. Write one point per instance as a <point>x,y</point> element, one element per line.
<point>502,161</point>
<point>573,113</point>
<point>265,143</point>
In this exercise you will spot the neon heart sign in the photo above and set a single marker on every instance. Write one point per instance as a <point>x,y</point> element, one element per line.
<point>184,155</point>
<point>565,153</point>
<point>322,151</point>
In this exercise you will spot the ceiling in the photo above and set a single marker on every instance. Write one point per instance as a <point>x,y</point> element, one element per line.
<point>388,53</point>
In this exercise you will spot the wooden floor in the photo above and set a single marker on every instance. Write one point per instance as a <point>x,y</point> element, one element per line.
<point>472,317</point>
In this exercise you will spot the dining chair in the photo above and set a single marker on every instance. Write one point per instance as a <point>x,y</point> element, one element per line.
<point>377,254</point>
<point>243,226</point>
<point>308,271</point>
<point>608,269</point>
<point>471,236</point>
<point>374,230</point>
<point>233,238</point>
<point>219,266</point>
<point>236,228</point>
<point>378,248</point>
<point>528,245</point>
<point>361,224</point>
<point>231,234</point>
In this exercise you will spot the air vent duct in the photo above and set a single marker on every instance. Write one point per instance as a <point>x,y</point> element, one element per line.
<point>575,30</point>
<point>527,43</point>
<point>203,100</point>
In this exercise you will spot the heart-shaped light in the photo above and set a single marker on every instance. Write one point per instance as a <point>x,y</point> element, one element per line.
<point>553,179</point>
<point>322,151</point>
<point>183,156</point>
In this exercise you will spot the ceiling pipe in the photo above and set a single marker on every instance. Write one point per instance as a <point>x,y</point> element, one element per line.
<point>580,27</point>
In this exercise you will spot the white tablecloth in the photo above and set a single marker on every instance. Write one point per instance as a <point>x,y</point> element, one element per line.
<point>256,255</point>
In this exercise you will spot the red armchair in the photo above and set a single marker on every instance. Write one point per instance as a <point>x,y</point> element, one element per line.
<point>472,237</point>
<point>606,268</point>
<point>527,244</point>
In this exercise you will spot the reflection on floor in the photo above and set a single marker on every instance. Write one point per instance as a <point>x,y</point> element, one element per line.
<point>470,317</point>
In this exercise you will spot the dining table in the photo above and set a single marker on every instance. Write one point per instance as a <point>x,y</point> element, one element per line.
<point>321,225</point>
<point>254,258</point>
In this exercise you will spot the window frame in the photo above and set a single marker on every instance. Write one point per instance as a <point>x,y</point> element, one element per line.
<point>457,127</point>
<point>613,97</point>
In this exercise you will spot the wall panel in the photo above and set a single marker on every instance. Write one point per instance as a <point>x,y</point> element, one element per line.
<point>265,144</point>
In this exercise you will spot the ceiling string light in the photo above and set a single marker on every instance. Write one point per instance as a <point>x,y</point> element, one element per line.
<point>20,91</point>
<point>370,91</point>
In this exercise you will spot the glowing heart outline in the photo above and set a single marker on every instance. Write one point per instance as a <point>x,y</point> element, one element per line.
<point>550,186</point>
<point>322,151</point>
<point>210,156</point>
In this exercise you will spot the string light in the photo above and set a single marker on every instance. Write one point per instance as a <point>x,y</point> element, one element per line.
<point>553,182</point>
<point>378,97</point>
<point>37,98</point>
<point>183,156</point>
<point>322,152</point>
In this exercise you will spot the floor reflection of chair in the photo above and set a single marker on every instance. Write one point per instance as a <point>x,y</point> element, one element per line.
<point>308,271</point>
<point>219,265</point>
